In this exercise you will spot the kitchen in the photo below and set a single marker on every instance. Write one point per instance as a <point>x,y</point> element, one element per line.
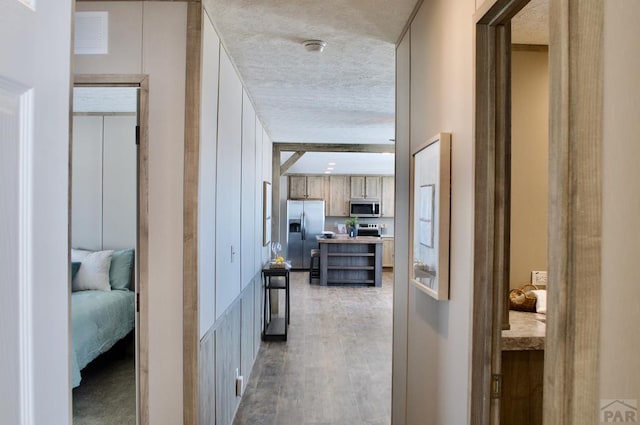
<point>319,192</point>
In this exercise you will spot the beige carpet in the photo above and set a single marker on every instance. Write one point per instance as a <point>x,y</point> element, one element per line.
<point>107,393</point>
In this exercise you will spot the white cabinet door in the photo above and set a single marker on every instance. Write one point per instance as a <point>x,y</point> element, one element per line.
<point>35,75</point>
<point>228,186</point>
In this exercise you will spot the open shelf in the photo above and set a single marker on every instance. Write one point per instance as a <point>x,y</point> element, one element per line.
<point>348,254</point>
<point>352,281</point>
<point>351,268</point>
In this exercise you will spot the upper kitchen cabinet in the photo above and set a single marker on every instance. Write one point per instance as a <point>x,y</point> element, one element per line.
<point>306,187</point>
<point>339,192</point>
<point>365,187</point>
<point>388,199</point>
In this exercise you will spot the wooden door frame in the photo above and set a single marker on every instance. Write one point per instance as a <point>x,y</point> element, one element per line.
<point>574,232</point>
<point>142,250</point>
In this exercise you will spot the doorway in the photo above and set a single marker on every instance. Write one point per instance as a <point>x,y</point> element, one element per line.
<point>574,259</point>
<point>108,234</point>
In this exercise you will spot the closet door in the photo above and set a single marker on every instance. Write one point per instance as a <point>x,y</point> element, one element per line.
<point>119,182</point>
<point>86,230</point>
<point>228,186</point>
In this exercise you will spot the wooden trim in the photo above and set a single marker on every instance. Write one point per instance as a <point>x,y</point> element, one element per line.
<point>104,114</point>
<point>529,48</point>
<point>335,147</point>
<point>289,162</point>
<point>108,80</point>
<point>190,328</point>
<point>275,192</point>
<point>142,251</point>
<point>492,201</point>
<point>571,390</point>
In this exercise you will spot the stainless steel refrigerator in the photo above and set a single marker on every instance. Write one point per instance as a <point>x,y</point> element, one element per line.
<point>305,220</point>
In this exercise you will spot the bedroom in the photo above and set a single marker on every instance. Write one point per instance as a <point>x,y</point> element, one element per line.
<point>103,240</point>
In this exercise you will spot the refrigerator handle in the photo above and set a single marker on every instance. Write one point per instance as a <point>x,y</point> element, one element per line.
<point>303,226</point>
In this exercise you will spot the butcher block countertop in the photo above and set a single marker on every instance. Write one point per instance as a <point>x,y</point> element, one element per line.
<point>347,239</point>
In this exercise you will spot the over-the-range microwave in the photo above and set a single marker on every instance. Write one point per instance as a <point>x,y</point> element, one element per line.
<point>364,208</point>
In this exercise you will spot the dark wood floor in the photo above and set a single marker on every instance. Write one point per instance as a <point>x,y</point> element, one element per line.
<point>335,367</point>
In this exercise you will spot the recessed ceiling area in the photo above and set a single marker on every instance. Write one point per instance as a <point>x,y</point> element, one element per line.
<point>341,163</point>
<point>346,94</point>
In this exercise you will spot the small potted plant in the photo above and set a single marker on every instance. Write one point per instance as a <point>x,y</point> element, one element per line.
<point>352,226</point>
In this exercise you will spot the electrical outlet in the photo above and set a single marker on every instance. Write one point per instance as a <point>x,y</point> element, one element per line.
<point>239,386</point>
<point>539,277</point>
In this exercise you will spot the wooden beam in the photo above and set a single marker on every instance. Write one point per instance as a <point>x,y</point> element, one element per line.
<point>335,147</point>
<point>190,315</point>
<point>289,162</point>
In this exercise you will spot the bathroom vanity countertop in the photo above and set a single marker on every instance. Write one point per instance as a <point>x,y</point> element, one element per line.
<point>527,331</point>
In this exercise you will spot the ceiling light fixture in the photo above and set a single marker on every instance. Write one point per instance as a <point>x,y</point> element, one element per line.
<point>314,45</point>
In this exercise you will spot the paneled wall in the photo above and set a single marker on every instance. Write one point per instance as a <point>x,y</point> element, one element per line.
<point>235,159</point>
<point>104,182</point>
<point>150,38</point>
<point>435,94</point>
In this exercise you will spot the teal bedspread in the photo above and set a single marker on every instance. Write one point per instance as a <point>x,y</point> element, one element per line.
<point>99,319</point>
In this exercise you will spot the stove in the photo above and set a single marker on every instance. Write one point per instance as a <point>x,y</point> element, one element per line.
<point>368,229</point>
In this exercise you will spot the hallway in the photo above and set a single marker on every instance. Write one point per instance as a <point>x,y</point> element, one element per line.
<point>335,367</point>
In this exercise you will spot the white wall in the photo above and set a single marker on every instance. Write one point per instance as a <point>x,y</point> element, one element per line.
<point>208,169</point>
<point>104,182</point>
<point>248,190</point>
<point>529,164</point>
<point>150,38</point>
<point>620,344</point>
<point>228,185</point>
<point>438,341</point>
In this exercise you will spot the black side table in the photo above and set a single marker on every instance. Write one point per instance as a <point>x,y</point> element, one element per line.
<point>275,329</point>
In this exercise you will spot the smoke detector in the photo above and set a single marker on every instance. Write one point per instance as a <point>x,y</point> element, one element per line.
<point>314,45</point>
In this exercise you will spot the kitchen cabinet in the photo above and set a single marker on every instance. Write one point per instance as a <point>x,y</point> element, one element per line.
<point>388,193</point>
<point>339,194</point>
<point>365,187</point>
<point>306,187</point>
<point>388,252</point>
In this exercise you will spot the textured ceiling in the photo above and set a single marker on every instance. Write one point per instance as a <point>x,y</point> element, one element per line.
<point>342,163</point>
<point>345,94</point>
<point>531,24</point>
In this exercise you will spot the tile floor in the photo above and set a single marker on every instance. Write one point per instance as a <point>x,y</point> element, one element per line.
<point>334,369</point>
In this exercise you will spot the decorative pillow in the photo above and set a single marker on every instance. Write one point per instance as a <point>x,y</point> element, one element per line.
<point>541,301</point>
<point>120,272</point>
<point>94,273</point>
<point>75,266</point>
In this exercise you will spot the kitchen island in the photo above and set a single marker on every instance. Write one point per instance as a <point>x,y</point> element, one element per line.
<point>351,261</point>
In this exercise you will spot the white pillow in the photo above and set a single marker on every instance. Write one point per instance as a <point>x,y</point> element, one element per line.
<point>94,270</point>
<point>541,300</point>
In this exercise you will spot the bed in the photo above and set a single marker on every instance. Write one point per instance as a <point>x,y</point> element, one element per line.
<point>100,317</point>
